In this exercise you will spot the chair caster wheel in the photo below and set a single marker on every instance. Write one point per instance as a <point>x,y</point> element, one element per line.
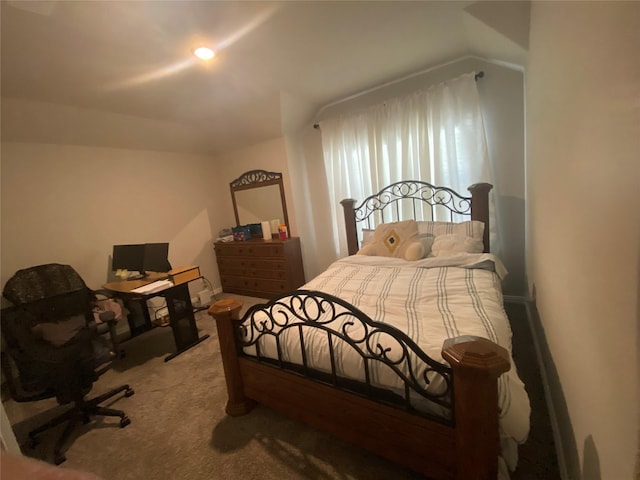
<point>59,458</point>
<point>128,392</point>
<point>124,421</point>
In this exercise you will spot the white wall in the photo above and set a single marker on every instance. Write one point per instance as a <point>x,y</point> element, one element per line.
<point>71,204</point>
<point>583,172</point>
<point>26,120</point>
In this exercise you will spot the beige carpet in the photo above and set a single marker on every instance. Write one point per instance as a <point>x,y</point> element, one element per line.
<point>179,429</point>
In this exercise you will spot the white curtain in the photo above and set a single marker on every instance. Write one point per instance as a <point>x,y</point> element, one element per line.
<point>434,135</point>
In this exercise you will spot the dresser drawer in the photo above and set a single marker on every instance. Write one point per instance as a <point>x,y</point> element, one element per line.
<point>243,271</point>
<point>249,249</point>
<point>231,283</point>
<point>261,268</point>
<point>250,262</point>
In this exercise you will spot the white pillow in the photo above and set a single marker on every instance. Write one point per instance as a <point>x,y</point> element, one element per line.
<point>471,228</point>
<point>454,244</point>
<point>367,236</point>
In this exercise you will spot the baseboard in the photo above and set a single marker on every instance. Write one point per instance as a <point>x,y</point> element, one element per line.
<point>514,299</point>
<point>553,417</point>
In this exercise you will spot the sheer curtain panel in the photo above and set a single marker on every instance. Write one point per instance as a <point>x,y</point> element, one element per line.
<point>434,135</point>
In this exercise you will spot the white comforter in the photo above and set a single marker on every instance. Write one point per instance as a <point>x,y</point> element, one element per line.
<point>430,300</point>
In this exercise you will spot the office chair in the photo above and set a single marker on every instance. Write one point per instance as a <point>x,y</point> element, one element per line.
<point>51,341</point>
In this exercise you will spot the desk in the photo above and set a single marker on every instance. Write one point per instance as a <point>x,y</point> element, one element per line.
<point>181,317</point>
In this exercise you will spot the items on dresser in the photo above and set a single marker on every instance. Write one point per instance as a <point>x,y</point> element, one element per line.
<point>266,230</point>
<point>260,268</point>
<point>241,233</point>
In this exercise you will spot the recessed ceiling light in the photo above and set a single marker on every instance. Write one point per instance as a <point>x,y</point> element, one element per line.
<point>203,53</point>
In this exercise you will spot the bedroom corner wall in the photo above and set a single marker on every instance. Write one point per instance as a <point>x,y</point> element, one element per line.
<point>71,204</point>
<point>583,228</point>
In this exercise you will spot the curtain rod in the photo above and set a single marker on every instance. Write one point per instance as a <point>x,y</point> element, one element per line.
<point>477,77</point>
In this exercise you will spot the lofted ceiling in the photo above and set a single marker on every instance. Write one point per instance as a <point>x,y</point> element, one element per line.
<point>121,74</point>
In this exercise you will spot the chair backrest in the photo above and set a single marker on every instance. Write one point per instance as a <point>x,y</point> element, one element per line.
<point>41,282</point>
<point>50,293</point>
<point>52,306</point>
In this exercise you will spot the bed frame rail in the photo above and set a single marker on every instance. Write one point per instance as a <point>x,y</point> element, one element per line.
<point>466,448</point>
<point>344,326</point>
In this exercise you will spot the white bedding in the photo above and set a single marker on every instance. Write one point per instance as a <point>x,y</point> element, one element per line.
<point>430,299</point>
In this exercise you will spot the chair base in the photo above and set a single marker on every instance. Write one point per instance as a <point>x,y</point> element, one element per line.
<point>81,412</point>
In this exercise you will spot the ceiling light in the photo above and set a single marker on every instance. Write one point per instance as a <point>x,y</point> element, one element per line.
<point>204,53</point>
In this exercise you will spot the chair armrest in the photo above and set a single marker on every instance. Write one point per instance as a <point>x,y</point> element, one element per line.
<point>108,317</point>
<point>103,292</point>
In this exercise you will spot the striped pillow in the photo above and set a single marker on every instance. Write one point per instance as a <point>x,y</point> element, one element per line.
<point>471,228</point>
<point>454,244</point>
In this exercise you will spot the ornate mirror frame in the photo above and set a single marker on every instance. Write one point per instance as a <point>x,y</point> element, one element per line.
<point>255,179</point>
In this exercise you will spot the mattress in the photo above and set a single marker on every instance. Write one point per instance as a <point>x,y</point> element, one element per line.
<point>430,300</point>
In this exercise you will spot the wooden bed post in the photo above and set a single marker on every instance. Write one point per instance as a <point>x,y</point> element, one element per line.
<point>350,225</point>
<point>477,363</point>
<point>480,207</point>
<point>225,312</point>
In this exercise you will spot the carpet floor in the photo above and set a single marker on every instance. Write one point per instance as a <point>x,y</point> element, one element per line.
<point>179,429</point>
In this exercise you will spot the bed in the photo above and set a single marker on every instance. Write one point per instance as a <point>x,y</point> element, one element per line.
<point>407,355</point>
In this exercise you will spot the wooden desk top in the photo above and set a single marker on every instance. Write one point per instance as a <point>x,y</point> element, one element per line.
<point>125,286</point>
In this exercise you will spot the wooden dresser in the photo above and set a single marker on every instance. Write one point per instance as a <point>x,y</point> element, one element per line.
<point>260,268</point>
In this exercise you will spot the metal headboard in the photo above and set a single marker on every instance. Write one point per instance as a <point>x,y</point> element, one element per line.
<point>410,199</point>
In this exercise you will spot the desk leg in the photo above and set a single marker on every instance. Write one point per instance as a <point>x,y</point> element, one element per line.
<point>182,319</point>
<point>138,318</point>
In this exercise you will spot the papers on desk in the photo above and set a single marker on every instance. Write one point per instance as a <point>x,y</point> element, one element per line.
<point>153,287</point>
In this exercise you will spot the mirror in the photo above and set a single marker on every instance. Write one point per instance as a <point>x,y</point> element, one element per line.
<point>258,196</point>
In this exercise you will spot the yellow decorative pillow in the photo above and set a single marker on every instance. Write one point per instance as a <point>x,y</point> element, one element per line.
<point>393,239</point>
